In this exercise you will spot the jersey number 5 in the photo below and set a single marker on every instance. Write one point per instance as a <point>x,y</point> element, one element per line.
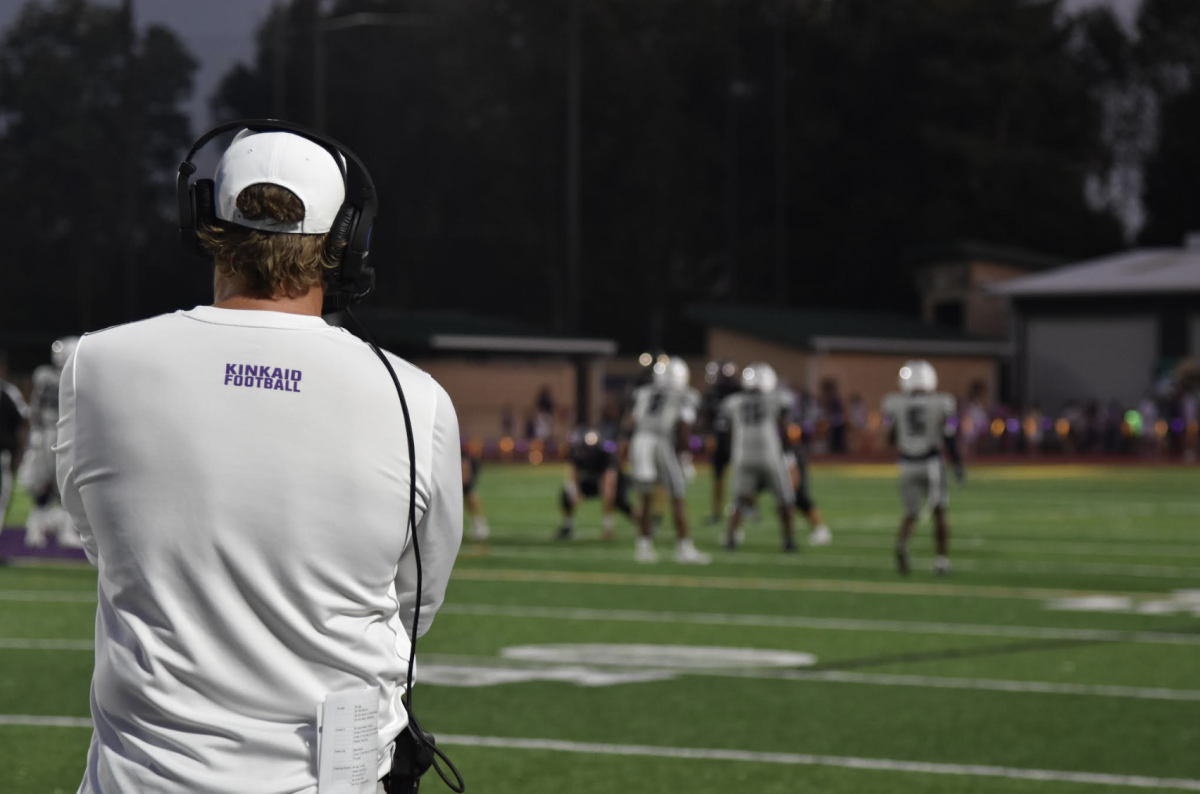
<point>918,424</point>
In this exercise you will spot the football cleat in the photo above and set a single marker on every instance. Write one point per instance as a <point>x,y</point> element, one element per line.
<point>686,554</point>
<point>821,536</point>
<point>645,551</point>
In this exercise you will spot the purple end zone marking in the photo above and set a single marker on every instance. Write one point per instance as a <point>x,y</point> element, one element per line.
<point>12,546</point>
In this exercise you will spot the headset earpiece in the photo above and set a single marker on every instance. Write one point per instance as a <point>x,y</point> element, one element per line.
<point>337,241</point>
<point>204,210</point>
<point>349,235</point>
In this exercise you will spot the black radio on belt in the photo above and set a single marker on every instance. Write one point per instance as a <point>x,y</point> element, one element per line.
<point>410,760</point>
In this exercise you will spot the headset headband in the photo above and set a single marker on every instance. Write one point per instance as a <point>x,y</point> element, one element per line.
<point>353,225</point>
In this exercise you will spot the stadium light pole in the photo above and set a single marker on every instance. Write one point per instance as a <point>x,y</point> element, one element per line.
<point>573,285</point>
<point>279,60</point>
<point>323,26</point>
<point>781,192</point>
<point>128,198</point>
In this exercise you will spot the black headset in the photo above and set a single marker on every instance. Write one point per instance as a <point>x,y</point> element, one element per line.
<point>353,278</point>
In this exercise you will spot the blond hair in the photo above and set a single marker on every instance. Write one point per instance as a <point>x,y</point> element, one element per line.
<point>271,264</point>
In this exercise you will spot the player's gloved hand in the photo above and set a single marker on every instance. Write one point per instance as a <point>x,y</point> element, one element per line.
<point>689,468</point>
<point>960,473</point>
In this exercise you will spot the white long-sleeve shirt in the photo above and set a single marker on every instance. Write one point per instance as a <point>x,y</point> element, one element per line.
<point>240,480</point>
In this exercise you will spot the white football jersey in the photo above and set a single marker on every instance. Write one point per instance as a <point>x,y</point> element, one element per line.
<point>43,400</point>
<point>921,421</point>
<point>241,480</point>
<point>754,416</point>
<point>659,410</point>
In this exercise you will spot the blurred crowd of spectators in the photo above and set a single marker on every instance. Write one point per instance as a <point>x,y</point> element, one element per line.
<point>1165,423</point>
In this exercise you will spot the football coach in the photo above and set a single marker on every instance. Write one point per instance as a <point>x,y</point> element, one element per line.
<point>243,477</point>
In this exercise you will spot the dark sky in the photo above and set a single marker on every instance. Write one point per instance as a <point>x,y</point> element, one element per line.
<point>218,32</point>
<point>221,32</point>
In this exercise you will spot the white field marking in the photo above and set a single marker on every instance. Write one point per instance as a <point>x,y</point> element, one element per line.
<point>805,759</point>
<point>1044,546</point>
<point>831,624</point>
<point>471,671</point>
<point>36,721</point>
<point>884,526</point>
<point>996,685</point>
<point>679,658</point>
<point>67,596</point>
<point>755,584</point>
<point>716,754</point>
<point>857,562</point>
<point>702,582</point>
<point>24,644</point>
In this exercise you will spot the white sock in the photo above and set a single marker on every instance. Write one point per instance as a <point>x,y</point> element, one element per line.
<point>686,544</point>
<point>481,524</point>
<point>606,523</point>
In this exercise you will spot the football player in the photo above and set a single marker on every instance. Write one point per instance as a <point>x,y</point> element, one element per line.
<point>795,457</point>
<point>723,381</point>
<point>36,473</point>
<point>755,414</point>
<point>593,470</point>
<point>663,413</point>
<point>13,413</point>
<point>922,432</point>
<point>480,531</point>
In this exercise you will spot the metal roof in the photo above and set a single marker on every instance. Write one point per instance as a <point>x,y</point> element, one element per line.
<point>847,331</point>
<point>1142,271</point>
<point>465,332</point>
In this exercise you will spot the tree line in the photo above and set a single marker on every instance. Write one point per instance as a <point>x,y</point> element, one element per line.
<point>761,151</point>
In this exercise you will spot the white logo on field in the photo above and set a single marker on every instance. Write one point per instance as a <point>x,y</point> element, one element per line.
<point>685,657</point>
<point>1181,602</point>
<point>471,676</point>
<point>602,664</point>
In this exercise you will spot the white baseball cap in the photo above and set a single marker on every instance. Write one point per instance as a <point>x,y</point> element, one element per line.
<point>284,159</point>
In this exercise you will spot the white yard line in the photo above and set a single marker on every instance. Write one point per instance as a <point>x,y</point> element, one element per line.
<point>997,685</point>
<point>804,759</point>
<point>64,596</point>
<point>35,721</point>
<point>675,579</point>
<point>23,644</point>
<point>747,756</point>
<point>1042,546</point>
<point>834,624</point>
<point>881,561</point>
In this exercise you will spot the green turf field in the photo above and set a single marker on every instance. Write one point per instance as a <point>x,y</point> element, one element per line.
<point>1063,655</point>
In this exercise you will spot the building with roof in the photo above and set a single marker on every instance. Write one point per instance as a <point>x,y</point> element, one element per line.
<point>1105,328</point>
<point>494,368</point>
<point>861,351</point>
<point>954,281</point>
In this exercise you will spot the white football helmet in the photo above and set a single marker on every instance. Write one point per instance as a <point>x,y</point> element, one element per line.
<point>759,376</point>
<point>678,374</point>
<point>660,371</point>
<point>61,350</point>
<point>918,375</point>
